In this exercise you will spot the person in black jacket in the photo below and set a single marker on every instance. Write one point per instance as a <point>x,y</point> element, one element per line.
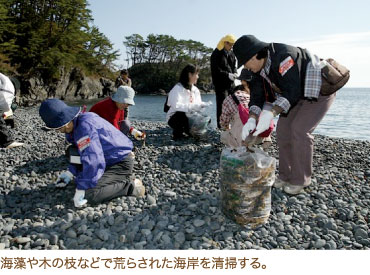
<point>223,70</point>
<point>292,76</point>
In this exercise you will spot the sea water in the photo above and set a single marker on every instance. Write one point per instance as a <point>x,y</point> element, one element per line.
<point>347,118</point>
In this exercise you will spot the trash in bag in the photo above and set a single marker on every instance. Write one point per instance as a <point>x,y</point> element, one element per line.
<point>246,181</point>
<point>199,120</point>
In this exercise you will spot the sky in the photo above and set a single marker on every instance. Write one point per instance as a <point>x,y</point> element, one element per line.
<point>338,29</point>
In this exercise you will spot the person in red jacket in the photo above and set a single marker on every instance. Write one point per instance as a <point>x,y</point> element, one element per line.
<point>112,110</point>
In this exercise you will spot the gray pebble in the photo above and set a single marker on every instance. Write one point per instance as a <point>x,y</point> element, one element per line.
<point>320,243</point>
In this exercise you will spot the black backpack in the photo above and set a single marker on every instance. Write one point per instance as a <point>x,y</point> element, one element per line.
<point>16,84</point>
<point>166,107</point>
<point>17,90</point>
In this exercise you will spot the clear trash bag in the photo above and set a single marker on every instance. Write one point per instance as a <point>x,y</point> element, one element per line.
<point>199,120</point>
<point>246,179</point>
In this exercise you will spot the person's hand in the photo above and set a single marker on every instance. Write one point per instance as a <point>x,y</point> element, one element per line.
<point>138,135</point>
<point>7,114</point>
<point>79,198</point>
<point>263,122</point>
<point>232,76</point>
<point>248,127</point>
<point>64,179</point>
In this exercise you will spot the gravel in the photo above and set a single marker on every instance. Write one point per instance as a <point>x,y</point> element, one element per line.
<point>181,209</point>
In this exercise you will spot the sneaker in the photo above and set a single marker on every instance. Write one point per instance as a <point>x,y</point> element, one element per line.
<point>293,189</point>
<point>14,144</point>
<point>139,189</point>
<point>280,183</point>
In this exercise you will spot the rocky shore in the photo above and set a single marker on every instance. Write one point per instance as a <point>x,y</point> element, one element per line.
<point>181,209</point>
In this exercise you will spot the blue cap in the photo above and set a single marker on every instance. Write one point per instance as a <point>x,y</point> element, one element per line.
<point>55,113</point>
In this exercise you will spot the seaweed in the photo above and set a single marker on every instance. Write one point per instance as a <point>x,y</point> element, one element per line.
<point>246,180</point>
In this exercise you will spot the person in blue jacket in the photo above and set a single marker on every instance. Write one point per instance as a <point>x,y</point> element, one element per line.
<point>103,161</point>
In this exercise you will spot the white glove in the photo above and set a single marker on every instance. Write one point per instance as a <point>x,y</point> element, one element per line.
<point>79,198</point>
<point>63,179</point>
<point>8,114</point>
<point>263,122</point>
<point>248,127</point>
<point>137,134</point>
<point>232,76</point>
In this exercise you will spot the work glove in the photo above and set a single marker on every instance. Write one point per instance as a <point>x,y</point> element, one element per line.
<point>263,122</point>
<point>7,114</point>
<point>138,135</point>
<point>248,127</point>
<point>79,198</point>
<point>232,76</point>
<point>63,179</point>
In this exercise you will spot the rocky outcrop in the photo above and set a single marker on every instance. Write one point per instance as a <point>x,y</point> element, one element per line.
<point>72,84</point>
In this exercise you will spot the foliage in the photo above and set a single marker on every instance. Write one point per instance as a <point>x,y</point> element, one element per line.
<point>40,37</point>
<point>156,62</point>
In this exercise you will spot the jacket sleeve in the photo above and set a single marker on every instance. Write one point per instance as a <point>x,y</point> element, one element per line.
<point>235,70</point>
<point>227,113</point>
<point>257,98</point>
<point>217,71</point>
<point>288,79</point>
<point>92,156</point>
<point>197,97</point>
<point>116,121</point>
<point>176,101</point>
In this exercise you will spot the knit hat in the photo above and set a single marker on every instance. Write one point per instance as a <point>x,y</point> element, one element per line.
<point>246,75</point>
<point>227,38</point>
<point>246,47</point>
<point>124,94</point>
<point>55,113</point>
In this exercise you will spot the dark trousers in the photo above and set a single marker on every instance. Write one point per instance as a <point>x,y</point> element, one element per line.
<point>6,137</point>
<point>179,123</point>
<point>116,182</point>
<point>221,94</point>
<point>295,139</point>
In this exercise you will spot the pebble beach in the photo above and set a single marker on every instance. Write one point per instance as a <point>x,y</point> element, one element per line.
<point>181,208</point>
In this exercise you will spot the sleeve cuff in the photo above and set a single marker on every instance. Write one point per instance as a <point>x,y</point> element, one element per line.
<point>283,103</point>
<point>255,109</point>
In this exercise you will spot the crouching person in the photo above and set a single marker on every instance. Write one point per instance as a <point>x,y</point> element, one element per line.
<point>235,113</point>
<point>114,109</point>
<point>104,153</point>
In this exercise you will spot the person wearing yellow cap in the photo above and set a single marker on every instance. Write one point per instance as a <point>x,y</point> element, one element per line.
<point>223,70</point>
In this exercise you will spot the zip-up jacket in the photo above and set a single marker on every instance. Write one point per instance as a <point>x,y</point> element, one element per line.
<point>286,73</point>
<point>99,144</point>
<point>222,64</point>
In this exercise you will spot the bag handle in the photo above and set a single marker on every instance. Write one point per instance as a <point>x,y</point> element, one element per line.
<point>236,100</point>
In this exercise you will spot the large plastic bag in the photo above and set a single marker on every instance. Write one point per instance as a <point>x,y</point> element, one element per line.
<point>246,180</point>
<point>199,120</point>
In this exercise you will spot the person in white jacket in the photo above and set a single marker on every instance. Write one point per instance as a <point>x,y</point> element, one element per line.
<point>7,91</point>
<point>181,99</point>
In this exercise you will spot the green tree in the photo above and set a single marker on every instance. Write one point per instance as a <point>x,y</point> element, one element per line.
<point>42,36</point>
<point>157,61</point>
